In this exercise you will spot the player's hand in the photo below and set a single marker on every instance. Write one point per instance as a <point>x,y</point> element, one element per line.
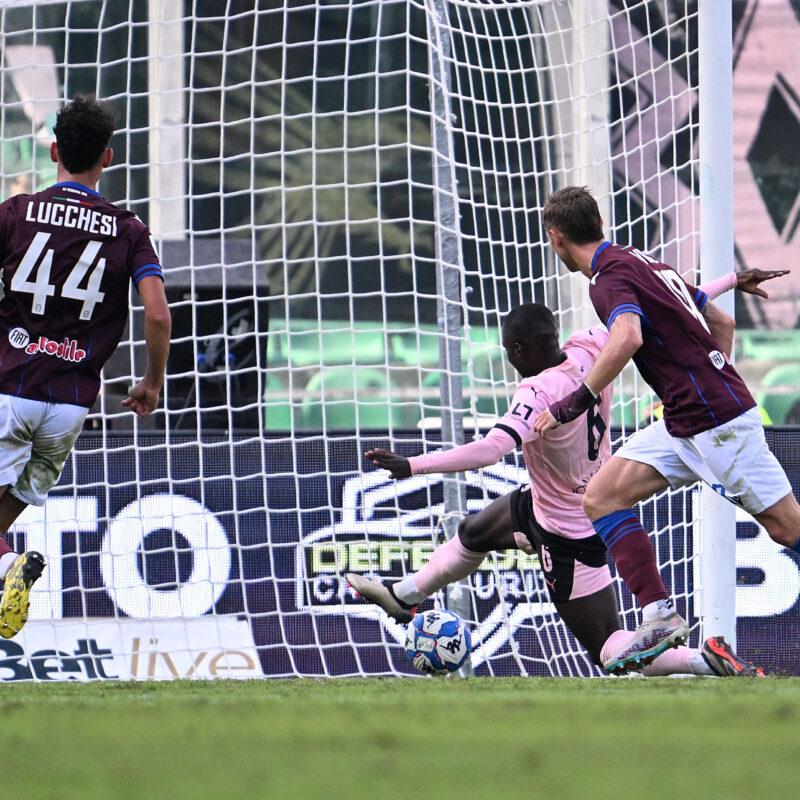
<point>545,422</point>
<point>566,409</point>
<point>398,465</point>
<point>142,398</point>
<point>748,281</point>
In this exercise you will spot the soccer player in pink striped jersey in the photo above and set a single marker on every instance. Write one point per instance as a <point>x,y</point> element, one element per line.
<point>547,515</point>
<point>68,258</point>
<point>711,430</point>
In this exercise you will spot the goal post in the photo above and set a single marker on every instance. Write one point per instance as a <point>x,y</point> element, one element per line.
<point>718,520</point>
<point>347,195</point>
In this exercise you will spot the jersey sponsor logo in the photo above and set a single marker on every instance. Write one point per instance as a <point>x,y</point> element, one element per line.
<point>67,350</point>
<point>19,338</point>
<point>717,359</point>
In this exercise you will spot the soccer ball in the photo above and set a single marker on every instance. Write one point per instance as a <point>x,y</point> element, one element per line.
<point>438,642</point>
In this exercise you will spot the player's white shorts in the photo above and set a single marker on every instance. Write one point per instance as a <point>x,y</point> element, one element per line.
<point>35,440</point>
<point>733,459</point>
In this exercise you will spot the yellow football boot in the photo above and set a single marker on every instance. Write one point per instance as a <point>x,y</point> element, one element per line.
<point>21,576</point>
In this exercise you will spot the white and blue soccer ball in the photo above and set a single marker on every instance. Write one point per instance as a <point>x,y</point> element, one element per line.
<point>438,642</point>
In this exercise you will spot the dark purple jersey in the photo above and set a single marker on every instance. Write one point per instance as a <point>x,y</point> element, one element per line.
<point>679,357</point>
<point>68,257</point>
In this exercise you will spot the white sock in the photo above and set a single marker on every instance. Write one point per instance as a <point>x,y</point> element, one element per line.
<point>406,590</point>
<point>660,609</point>
<point>699,665</point>
<point>449,562</point>
<point>6,560</point>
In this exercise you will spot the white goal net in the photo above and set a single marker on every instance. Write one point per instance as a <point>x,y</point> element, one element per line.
<point>347,197</point>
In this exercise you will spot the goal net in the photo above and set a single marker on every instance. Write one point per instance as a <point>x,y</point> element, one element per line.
<point>347,200</point>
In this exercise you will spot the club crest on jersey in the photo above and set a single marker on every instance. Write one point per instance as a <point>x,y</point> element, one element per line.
<point>67,350</point>
<point>717,359</point>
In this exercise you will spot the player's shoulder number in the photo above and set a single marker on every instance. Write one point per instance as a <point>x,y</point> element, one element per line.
<point>37,262</point>
<point>674,283</point>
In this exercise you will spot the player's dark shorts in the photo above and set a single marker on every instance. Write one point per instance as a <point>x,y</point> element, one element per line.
<point>572,567</point>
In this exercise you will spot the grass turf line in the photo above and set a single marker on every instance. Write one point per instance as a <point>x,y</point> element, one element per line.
<point>461,739</point>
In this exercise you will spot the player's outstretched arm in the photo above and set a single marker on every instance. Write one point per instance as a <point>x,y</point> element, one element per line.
<point>143,397</point>
<point>473,455</point>
<point>749,280</point>
<point>398,465</point>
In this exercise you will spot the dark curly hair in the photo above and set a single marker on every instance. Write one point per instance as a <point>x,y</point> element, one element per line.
<point>530,321</point>
<point>82,130</point>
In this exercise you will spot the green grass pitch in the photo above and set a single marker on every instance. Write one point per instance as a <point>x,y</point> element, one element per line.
<point>396,738</point>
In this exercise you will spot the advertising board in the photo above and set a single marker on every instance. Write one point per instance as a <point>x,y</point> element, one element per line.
<point>215,558</point>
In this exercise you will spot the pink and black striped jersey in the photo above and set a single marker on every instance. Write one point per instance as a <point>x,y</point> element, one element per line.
<point>68,257</point>
<point>679,357</point>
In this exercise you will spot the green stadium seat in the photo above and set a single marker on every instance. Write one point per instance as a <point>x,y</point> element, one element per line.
<point>415,349</point>
<point>277,404</point>
<point>767,345</point>
<point>780,390</point>
<point>348,398</point>
<point>306,343</point>
<point>488,376</point>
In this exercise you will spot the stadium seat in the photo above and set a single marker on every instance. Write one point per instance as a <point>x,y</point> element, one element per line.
<point>415,349</point>
<point>347,398</point>
<point>768,345</point>
<point>780,390</point>
<point>277,404</point>
<point>486,385</point>
<point>306,343</point>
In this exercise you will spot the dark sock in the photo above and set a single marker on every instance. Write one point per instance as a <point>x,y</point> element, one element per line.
<point>630,547</point>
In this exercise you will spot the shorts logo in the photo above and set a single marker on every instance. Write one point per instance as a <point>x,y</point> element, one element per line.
<point>19,338</point>
<point>717,359</point>
<point>67,350</point>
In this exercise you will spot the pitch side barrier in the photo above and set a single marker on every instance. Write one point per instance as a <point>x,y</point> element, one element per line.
<point>215,557</point>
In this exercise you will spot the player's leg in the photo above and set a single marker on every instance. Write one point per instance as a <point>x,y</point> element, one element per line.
<point>478,534</point>
<point>579,583</point>
<point>51,432</point>
<point>715,657</point>
<point>782,522</point>
<point>608,503</point>
<point>7,554</point>
<point>592,620</point>
<point>15,451</point>
<point>457,558</point>
<point>10,508</point>
<point>18,419</point>
<point>735,459</point>
<point>645,465</point>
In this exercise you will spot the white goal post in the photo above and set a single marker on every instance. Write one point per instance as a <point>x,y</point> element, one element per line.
<point>347,196</point>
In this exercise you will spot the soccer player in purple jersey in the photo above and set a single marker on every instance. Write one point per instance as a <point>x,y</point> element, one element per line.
<point>545,516</point>
<point>711,429</point>
<point>68,257</point>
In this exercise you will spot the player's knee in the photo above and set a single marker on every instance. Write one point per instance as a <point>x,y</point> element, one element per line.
<point>469,534</point>
<point>592,506</point>
<point>476,536</point>
<point>782,523</point>
<point>786,537</point>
